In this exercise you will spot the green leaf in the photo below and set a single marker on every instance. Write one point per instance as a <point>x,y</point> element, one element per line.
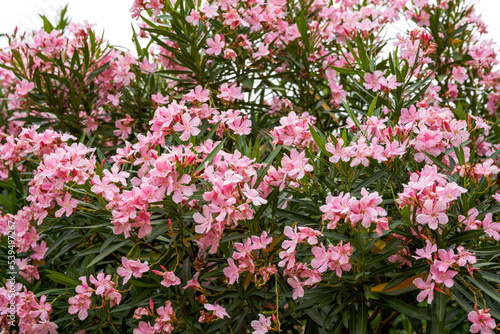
<point>351,114</point>
<point>319,141</point>
<point>301,22</point>
<point>486,288</point>
<point>361,317</point>
<point>464,236</point>
<point>398,305</point>
<point>62,278</point>
<point>441,301</point>
<point>107,252</point>
<point>211,156</point>
<point>372,106</point>
<point>437,161</point>
<point>343,70</point>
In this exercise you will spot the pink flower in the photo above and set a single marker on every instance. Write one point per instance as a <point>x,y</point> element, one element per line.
<point>253,195</point>
<point>497,197</point>
<point>261,242</point>
<point>263,51</point>
<point>446,259</point>
<point>144,328</point>
<point>177,186</point>
<point>296,164</point>
<point>169,277</point>
<point>198,94</point>
<point>229,93</point>
<point>261,326</point>
<point>432,214</point>
<point>232,272</point>
<point>459,74</point>
<point>80,304</point>
<point>204,221</point>
<point>481,321</point>
<point>104,187</point>
<point>490,227</point>
<point>216,45</point>
<point>68,205</point>
<point>131,267</point>
<point>297,285</point>
<point>487,168</point>
<point>241,126</point>
<point>187,126</point>
<point>116,175</point>
<point>218,311</point>
<point>210,11</point>
<point>390,84</point>
<point>427,289</point>
<point>193,18</point>
<point>427,252</point>
<point>289,245</point>
<point>44,327</point>
<point>374,81</point>
<point>366,209</point>
<point>445,277</point>
<point>39,251</point>
<point>465,257</point>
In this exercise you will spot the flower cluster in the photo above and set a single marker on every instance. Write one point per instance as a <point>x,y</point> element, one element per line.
<point>104,287</point>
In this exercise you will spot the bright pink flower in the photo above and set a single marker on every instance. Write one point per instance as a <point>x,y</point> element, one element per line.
<point>433,214</point>
<point>490,227</point>
<point>289,245</point>
<point>297,285</point>
<point>210,10</point>
<point>232,272</point>
<point>427,252</point>
<point>144,328</point>
<point>104,187</point>
<point>131,267</point>
<point>445,277</point>
<point>80,304</point>
<point>198,94</point>
<point>45,326</point>
<point>39,251</point>
<point>169,278</point>
<point>253,195</point>
<point>176,185</point>
<point>194,17</point>
<point>204,221</point>
<point>218,311</point>
<point>427,288</point>
<point>487,168</point>
<point>459,74</point>
<point>241,126</point>
<point>481,321</point>
<point>446,259</point>
<point>261,242</point>
<point>261,326</point>
<point>374,81</point>
<point>497,197</point>
<point>263,51</point>
<point>465,257</point>
<point>366,209</point>
<point>188,126</point>
<point>116,175</point>
<point>68,205</point>
<point>296,164</point>
<point>229,93</point>
<point>390,83</point>
<point>215,45</point>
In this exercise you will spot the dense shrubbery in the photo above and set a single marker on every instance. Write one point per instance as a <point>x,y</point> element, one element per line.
<point>258,166</point>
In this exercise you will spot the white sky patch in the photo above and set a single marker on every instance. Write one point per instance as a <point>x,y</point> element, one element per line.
<point>113,16</point>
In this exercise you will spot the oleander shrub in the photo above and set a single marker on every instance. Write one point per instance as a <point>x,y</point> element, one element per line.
<point>281,166</point>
